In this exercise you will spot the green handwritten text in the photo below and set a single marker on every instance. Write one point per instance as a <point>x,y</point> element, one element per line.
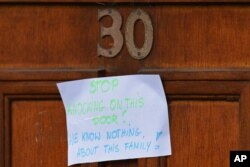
<point>105,119</point>
<point>103,85</point>
<point>82,108</point>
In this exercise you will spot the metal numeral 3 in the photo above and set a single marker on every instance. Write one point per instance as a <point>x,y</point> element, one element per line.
<point>115,32</point>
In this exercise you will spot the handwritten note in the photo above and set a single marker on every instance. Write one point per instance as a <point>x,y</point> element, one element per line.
<point>116,118</point>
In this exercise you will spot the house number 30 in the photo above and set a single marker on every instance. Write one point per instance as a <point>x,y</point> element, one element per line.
<point>115,32</point>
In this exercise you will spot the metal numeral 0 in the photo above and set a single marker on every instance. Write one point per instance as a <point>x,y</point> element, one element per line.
<point>115,33</point>
<point>139,53</point>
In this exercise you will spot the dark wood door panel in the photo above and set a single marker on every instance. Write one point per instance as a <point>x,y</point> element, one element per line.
<point>65,36</point>
<point>37,125</point>
<point>203,132</point>
<point>200,50</point>
<point>206,117</point>
<point>38,133</point>
<point>33,126</point>
<point>105,2</point>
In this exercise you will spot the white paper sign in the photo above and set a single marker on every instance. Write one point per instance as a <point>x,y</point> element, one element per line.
<point>116,118</point>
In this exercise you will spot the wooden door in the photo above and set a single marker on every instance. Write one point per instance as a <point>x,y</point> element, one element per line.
<point>201,50</point>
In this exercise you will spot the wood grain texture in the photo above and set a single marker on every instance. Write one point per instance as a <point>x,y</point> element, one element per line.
<point>201,51</point>
<point>245,119</point>
<point>212,74</point>
<point>102,2</point>
<point>120,163</point>
<point>204,88</point>
<point>1,130</point>
<point>38,100</point>
<point>203,133</point>
<point>25,86</point>
<point>186,36</point>
<point>149,162</point>
<point>48,74</point>
<point>35,136</point>
<point>7,133</point>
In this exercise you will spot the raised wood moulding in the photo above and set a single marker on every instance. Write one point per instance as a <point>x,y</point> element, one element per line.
<point>48,74</point>
<point>227,74</point>
<point>102,2</point>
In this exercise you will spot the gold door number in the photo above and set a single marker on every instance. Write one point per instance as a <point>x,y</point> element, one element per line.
<point>115,32</point>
